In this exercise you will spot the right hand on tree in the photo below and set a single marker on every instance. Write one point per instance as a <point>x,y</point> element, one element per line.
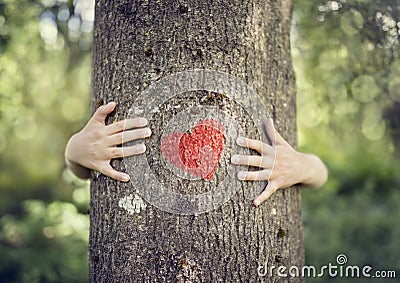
<point>97,144</point>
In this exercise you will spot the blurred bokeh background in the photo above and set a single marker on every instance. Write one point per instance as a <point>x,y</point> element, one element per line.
<point>346,56</point>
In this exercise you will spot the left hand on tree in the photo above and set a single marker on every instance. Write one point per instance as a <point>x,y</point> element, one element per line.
<point>279,163</point>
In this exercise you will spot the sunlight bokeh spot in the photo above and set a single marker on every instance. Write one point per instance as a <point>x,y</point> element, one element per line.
<point>81,195</point>
<point>48,232</point>
<point>364,88</point>
<point>373,127</point>
<point>312,115</point>
<point>25,127</point>
<point>351,22</point>
<point>85,8</point>
<point>337,56</point>
<point>48,30</point>
<point>63,14</point>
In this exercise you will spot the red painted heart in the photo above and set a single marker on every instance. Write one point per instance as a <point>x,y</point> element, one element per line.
<point>198,153</point>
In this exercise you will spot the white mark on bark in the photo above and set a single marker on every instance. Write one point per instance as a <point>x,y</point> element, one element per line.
<point>155,109</point>
<point>273,211</point>
<point>136,111</point>
<point>132,204</point>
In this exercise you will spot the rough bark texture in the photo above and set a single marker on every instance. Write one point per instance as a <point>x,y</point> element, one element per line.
<point>135,44</point>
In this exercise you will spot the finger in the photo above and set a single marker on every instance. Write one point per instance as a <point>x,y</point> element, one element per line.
<point>102,112</point>
<point>126,125</point>
<point>128,136</point>
<point>269,190</point>
<point>111,172</point>
<point>257,145</point>
<point>252,160</point>
<point>272,133</point>
<point>270,129</point>
<point>119,152</point>
<point>249,160</point>
<point>254,175</point>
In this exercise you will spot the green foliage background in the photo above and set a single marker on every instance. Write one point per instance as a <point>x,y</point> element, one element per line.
<point>346,56</point>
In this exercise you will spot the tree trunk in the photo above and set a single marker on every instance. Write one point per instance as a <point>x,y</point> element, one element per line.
<point>140,234</point>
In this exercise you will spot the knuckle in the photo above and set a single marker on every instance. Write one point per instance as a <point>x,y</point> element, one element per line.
<point>114,174</point>
<point>104,170</point>
<point>262,175</point>
<point>97,153</point>
<point>132,123</point>
<point>141,133</point>
<point>119,138</point>
<point>256,143</point>
<point>100,110</point>
<point>120,125</point>
<point>255,176</point>
<point>137,134</point>
<point>95,135</point>
<point>140,122</point>
<point>136,122</point>
<point>115,152</point>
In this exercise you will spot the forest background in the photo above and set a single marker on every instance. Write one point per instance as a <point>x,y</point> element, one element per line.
<point>346,57</point>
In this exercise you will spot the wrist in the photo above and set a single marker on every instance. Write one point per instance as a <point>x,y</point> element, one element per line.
<point>69,149</point>
<point>304,168</point>
<point>78,169</point>
<point>314,173</point>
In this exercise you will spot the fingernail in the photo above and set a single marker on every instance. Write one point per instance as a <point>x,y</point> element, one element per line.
<point>240,140</point>
<point>125,178</point>
<point>147,132</point>
<point>142,147</point>
<point>241,175</point>
<point>142,122</point>
<point>256,202</point>
<point>235,159</point>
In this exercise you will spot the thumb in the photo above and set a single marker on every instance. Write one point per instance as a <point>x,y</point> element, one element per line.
<point>102,112</point>
<point>272,133</point>
<point>269,190</point>
<point>111,172</point>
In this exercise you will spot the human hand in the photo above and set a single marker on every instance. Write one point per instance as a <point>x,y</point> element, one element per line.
<point>279,163</point>
<point>97,144</point>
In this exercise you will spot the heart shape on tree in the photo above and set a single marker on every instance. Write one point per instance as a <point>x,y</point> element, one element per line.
<point>199,153</point>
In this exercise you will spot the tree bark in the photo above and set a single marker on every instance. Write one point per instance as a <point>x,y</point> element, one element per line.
<point>136,44</point>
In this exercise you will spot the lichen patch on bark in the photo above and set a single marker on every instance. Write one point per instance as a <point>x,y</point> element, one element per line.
<point>133,204</point>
